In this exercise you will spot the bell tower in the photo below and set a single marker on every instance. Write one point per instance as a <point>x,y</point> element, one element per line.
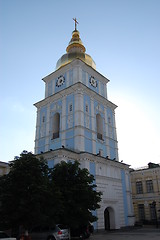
<point>76,112</point>
<point>76,121</point>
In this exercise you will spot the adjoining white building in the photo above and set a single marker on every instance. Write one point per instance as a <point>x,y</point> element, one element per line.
<point>76,121</point>
<point>4,168</point>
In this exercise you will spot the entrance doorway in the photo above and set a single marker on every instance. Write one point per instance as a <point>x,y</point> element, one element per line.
<point>109,218</point>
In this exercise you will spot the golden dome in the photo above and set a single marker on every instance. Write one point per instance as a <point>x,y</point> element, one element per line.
<point>75,49</point>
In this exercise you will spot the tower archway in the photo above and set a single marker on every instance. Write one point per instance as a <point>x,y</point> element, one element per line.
<point>99,122</point>
<point>56,125</point>
<point>109,218</point>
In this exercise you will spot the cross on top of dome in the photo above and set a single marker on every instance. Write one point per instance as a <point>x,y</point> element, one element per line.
<point>76,22</point>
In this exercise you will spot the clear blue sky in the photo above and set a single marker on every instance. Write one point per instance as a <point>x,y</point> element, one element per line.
<point>123,38</point>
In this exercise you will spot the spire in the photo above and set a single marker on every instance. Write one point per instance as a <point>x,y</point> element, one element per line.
<point>75,44</point>
<point>75,50</point>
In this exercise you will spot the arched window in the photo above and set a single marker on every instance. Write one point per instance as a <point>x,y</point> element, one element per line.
<point>56,125</point>
<point>99,122</point>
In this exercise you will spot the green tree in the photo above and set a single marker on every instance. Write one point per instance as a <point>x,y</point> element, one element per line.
<point>26,197</point>
<point>32,194</point>
<point>79,194</point>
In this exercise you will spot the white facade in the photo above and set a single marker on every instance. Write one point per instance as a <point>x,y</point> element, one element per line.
<point>76,121</point>
<point>112,179</point>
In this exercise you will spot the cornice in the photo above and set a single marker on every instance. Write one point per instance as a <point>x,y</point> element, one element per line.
<point>75,63</point>
<point>73,89</point>
<point>70,154</point>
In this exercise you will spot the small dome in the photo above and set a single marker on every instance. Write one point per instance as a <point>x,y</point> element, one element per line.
<point>75,49</point>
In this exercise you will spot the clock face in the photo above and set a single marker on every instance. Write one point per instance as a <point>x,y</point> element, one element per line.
<point>60,81</point>
<point>93,82</point>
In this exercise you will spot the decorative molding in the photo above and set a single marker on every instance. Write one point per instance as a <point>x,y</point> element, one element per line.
<point>110,201</point>
<point>70,121</point>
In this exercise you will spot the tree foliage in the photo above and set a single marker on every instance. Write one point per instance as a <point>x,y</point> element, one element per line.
<point>32,194</point>
<point>25,193</point>
<point>79,194</point>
